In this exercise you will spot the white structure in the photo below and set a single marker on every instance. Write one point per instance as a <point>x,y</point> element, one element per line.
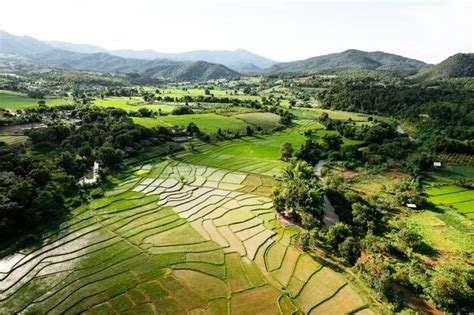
<point>411,205</point>
<point>437,164</point>
<point>95,176</point>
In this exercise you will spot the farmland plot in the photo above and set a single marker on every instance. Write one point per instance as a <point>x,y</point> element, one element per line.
<point>177,238</point>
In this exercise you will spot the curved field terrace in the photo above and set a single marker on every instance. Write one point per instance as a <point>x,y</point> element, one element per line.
<point>175,238</point>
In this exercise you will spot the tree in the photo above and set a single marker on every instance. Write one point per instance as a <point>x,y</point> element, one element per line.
<point>337,233</point>
<point>310,152</point>
<point>286,151</point>
<point>193,129</point>
<point>452,288</point>
<point>249,131</point>
<point>332,141</point>
<point>110,157</point>
<point>300,194</point>
<point>349,250</point>
<point>362,215</point>
<point>145,112</point>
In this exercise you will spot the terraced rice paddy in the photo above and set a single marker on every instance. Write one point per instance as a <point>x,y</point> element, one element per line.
<point>258,155</point>
<point>453,196</point>
<point>174,238</point>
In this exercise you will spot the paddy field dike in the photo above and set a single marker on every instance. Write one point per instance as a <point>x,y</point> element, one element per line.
<point>176,238</point>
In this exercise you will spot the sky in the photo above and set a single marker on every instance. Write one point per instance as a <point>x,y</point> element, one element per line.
<point>429,30</point>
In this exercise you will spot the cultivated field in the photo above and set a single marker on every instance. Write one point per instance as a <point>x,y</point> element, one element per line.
<point>208,123</point>
<point>174,238</point>
<point>175,92</point>
<point>258,154</point>
<point>266,121</point>
<point>132,104</point>
<point>15,101</point>
<point>443,194</point>
<point>13,138</point>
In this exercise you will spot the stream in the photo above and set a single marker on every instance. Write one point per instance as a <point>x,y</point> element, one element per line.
<point>400,130</point>
<point>330,217</point>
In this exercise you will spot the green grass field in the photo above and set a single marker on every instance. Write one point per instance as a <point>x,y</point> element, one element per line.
<point>14,101</point>
<point>208,123</point>
<point>175,92</point>
<point>178,238</point>
<point>13,138</point>
<point>132,104</point>
<point>266,121</point>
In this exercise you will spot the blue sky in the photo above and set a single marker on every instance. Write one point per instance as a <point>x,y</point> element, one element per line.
<point>282,30</point>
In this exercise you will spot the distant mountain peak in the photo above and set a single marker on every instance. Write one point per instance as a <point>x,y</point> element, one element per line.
<point>460,65</point>
<point>351,59</point>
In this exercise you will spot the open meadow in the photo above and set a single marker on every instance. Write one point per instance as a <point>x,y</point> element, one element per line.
<point>14,101</point>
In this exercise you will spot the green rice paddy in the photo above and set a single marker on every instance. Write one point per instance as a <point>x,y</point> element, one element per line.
<point>448,195</point>
<point>268,121</point>
<point>132,104</point>
<point>174,238</point>
<point>258,155</point>
<point>208,123</point>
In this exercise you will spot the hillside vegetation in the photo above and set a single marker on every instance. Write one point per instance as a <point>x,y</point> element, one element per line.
<point>456,66</point>
<point>351,59</point>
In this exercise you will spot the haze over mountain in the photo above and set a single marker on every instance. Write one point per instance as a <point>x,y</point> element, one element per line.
<point>48,55</point>
<point>239,60</point>
<point>351,59</point>
<point>207,64</point>
<point>456,66</point>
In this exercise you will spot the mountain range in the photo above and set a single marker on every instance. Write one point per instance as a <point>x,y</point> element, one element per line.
<point>352,59</point>
<point>213,64</point>
<point>239,60</point>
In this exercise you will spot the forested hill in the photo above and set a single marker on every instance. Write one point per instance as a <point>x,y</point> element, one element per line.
<point>351,59</point>
<point>456,66</point>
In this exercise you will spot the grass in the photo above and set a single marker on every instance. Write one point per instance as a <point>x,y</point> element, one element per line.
<point>208,123</point>
<point>175,92</point>
<point>266,121</point>
<point>13,138</point>
<point>132,104</point>
<point>336,114</point>
<point>15,101</point>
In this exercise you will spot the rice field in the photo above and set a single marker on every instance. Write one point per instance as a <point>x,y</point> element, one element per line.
<point>13,138</point>
<point>132,104</point>
<point>209,123</point>
<point>174,238</point>
<point>259,155</point>
<point>267,121</point>
<point>14,101</point>
<point>176,92</point>
<point>444,194</point>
